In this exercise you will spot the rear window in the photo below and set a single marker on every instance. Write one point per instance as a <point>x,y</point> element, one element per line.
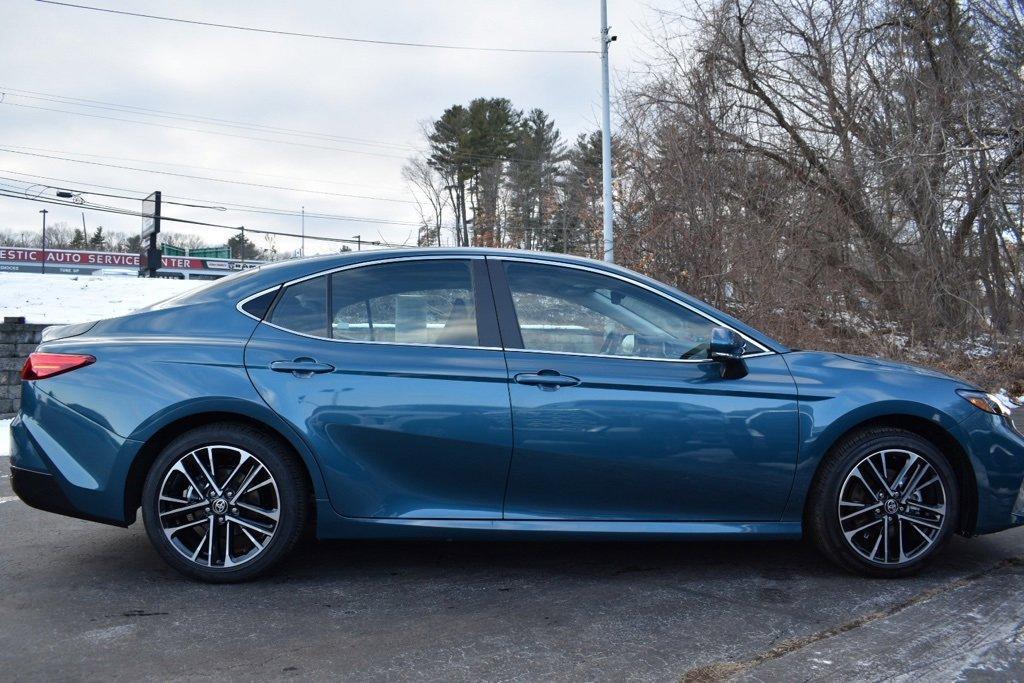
<point>204,292</point>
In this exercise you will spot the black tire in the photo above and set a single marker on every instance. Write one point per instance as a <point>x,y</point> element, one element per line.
<point>290,493</point>
<point>822,518</point>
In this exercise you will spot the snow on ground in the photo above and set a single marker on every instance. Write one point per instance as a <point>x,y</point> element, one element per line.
<point>5,437</point>
<point>81,298</point>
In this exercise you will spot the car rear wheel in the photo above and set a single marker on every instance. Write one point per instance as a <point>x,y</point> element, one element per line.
<point>224,503</point>
<point>884,502</point>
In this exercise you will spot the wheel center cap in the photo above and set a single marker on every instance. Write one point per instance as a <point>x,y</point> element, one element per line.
<point>891,506</point>
<point>219,506</point>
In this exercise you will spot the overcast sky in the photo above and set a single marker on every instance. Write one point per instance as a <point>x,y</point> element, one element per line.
<point>377,97</point>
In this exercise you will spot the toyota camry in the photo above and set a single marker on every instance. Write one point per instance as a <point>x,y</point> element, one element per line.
<point>478,393</point>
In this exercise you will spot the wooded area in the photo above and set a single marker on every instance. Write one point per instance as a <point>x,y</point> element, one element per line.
<point>844,174</point>
<point>61,235</point>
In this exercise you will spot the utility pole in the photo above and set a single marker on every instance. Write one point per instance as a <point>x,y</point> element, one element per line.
<point>44,212</point>
<point>302,246</point>
<point>606,136</point>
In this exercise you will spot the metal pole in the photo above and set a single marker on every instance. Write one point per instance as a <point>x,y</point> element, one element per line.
<point>302,247</point>
<point>44,212</point>
<point>359,242</point>
<point>606,137</point>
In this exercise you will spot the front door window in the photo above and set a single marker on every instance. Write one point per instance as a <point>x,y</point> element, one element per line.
<point>575,311</point>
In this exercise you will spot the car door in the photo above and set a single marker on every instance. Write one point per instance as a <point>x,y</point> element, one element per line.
<point>393,373</point>
<point>620,414</point>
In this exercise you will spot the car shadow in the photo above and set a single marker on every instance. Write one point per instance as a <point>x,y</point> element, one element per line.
<point>699,561</point>
<point>562,558</point>
<point>724,565</point>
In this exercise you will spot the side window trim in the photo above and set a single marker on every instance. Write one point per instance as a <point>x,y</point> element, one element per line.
<point>483,298</point>
<point>507,316</point>
<point>488,332</point>
<point>508,321</point>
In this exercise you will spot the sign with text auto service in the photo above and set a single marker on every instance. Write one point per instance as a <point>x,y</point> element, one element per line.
<point>21,259</point>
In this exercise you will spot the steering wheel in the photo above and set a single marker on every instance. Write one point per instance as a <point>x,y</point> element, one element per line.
<point>703,347</point>
<point>612,341</point>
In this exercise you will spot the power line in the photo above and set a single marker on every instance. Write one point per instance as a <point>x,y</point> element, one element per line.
<point>108,209</point>
<point>202,168</point>
<point>202,130</point>
<point>124,212</point>
<point>320,36</point>
<point>212,204</point>
<point>197,118</point>
<point>462,155</point>
<point>207,178</point>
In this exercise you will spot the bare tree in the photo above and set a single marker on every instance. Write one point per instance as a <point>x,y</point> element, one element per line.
<point>432,199</point>
<point>850,157</point>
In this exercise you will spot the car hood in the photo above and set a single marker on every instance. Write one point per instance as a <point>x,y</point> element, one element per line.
<point>883,364</point>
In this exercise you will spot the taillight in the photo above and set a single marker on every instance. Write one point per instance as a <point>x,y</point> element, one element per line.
<point>43,365</point>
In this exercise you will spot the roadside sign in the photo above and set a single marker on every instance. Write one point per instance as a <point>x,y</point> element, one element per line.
<point>149,254</point>
<point>151,215</point>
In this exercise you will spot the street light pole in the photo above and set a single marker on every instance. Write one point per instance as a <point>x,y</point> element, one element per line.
<point>44,212</point>
<point>606,137</point>
<point>302,246</point>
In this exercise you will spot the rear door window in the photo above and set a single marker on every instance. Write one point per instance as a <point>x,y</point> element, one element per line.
<point>428,301</point>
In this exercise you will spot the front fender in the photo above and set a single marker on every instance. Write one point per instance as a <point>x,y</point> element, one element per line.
<point>818,434</point>
<point>839,394</point>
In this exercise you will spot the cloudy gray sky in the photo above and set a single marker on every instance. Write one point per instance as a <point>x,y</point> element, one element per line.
<point>373,99</point>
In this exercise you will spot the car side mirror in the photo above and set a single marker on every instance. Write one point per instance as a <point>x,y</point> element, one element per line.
<point>727,349</point>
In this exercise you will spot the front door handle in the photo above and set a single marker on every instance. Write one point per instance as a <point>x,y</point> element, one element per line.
<point>546,379</point>
<point>301,367</point>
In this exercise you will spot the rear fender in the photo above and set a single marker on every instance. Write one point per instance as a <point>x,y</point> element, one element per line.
<point>223,408</point>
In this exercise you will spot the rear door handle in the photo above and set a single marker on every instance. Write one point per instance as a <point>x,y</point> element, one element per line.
<point>301,367</point>
<point>546,379</point>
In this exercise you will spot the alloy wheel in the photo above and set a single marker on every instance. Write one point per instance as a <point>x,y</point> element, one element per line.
<point>892,507</point>
<point>219,506</point>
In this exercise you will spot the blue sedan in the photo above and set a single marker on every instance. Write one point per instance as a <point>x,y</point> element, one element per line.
<point>480,393</point>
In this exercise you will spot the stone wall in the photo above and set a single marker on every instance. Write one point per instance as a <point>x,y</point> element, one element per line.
<point>17,340</point>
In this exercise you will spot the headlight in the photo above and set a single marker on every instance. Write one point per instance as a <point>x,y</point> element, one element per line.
<point>990,403</point>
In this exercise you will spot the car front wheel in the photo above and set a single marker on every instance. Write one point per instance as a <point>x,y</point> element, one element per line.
<point>885,501</point>
<point>224,502</point>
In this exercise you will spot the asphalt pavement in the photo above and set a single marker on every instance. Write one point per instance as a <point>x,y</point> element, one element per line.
<point>82,601</point>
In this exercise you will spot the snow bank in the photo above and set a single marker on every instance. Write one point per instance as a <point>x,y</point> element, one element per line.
<point>5,437</point>
<point>80,298</point>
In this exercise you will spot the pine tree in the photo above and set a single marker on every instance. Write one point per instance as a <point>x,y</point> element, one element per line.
<point>449,142</point>
<point>533,180</point>
<point>469,147</point>
<point>98,242</point>
<point>242,247</point>
<point>580,210</point>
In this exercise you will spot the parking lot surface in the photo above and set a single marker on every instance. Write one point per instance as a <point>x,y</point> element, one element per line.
<point>84,601</point>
